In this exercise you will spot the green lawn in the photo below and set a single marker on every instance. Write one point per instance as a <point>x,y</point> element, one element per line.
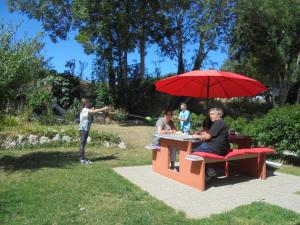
<point>49,186</point>
<point>294,170</point>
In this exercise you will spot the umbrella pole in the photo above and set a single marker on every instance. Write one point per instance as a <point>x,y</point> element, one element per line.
<point>207,94</point>
<point>188,99</point>
<point>207,105</point>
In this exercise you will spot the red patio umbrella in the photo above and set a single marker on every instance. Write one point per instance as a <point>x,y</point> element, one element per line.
<point>210,84</point>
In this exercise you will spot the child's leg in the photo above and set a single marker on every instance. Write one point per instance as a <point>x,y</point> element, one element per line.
<point>173,152</point>
<point>83,138</point>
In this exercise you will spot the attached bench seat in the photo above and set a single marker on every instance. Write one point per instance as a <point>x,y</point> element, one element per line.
<point>235,154</point>
<point>152,147</point>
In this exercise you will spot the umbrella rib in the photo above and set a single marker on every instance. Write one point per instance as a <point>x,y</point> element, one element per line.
<point>240,85</point>
<point>200,84</point>
<point>226,93</point>
<point>247,89</point>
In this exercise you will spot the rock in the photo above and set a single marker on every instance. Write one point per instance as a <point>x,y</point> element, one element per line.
<point>66,139</point>
<point>21,140</point>
<point>44,139</point>
<point>56,138</point>
<point>122,145</point>
<point>107,120</point>
<point>89,139</point>
<point>106,144</point>
<point>9,144</point>
<point>33,139</point>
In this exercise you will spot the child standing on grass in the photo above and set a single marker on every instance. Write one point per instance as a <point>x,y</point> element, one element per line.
<point>84,127</point>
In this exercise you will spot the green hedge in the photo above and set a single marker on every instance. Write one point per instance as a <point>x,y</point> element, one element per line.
<point>237,124</point>
<point>280,128</point>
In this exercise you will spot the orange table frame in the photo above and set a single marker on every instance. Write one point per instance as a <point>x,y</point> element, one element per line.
<point>192,173</point>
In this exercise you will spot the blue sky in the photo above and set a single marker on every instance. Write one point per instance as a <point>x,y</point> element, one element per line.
<point>63,51</point>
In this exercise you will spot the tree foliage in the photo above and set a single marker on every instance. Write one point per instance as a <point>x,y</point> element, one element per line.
<point>265,41</point>
<point>280,128</point>
<point>20,63</point>
<point>112,29</point>
<point>203,23</point>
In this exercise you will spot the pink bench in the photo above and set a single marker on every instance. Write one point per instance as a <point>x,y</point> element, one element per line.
<point>191,172</point>
<point>251,160</point>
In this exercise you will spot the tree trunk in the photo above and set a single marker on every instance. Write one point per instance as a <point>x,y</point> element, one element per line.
<point>298,96</point>
<point>142,56</point>
<point>298,93</point>
<point>111,74</point>
<point>200,55</point>
<point>125,78</point>
<point>180,68</point>
<point>119,81</point>
<point>283,88</point>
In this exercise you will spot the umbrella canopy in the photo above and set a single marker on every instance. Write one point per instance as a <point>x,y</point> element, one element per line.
<point>210,84</point>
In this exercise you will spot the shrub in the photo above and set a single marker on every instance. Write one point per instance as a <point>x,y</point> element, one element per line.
<point>196,121</point>
<point>280,128</point>
<point>48,118</point>
<point>237,124</point>
<point>119,115</point>
<point>39,100</point>
<point>9,121</point>
<point>104,136</point>
<point>73,111</point>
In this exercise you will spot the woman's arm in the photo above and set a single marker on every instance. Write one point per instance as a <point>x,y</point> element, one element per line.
<point>203,136</point>
<point>93,110</point>
<point>161,131</point>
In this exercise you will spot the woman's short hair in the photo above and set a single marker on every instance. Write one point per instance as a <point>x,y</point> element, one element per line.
<point>218,111</point>
<point>167,110</point>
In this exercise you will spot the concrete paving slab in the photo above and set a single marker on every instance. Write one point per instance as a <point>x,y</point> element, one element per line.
<point>222,194</point>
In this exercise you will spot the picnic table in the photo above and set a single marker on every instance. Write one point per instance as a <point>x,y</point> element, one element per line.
<point>192,165</point>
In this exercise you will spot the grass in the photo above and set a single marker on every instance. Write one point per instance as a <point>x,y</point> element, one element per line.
<point>49,186</point>
<point>293,170</point>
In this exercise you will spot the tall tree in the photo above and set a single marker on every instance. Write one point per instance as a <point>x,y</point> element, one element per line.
<point>20,64</point>
<point>105,29</point>
<point>265,37</point>
<point>210,22</point>
<point>176,33</point>
<point>147,26</point>
<point>203,23</point>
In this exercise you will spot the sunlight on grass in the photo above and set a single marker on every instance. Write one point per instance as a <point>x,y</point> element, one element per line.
<point>293,170</point>
<point>50,186</point>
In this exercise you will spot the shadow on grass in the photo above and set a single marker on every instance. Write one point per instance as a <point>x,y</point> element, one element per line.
<point>37,160</point>
<point>104,158</point>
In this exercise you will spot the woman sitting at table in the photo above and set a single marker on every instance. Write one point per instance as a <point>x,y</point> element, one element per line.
<point>214,140</point>
<point>165,125</point>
